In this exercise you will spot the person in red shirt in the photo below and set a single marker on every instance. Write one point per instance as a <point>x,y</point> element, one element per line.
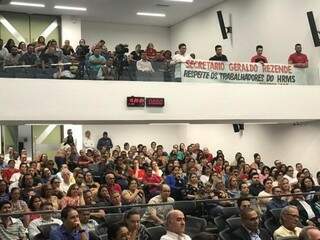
<point>218,166</point>
<point>111,185</point>
<point>151,52</point>
<point>138,172</point>
<point>207,154</point>
<point>152,181</point>
<point>259,58</point>
<point>298,59</point>
<point>9,171</point>
<point>84,160</point>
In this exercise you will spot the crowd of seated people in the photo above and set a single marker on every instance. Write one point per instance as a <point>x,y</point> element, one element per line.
<point>101,174</point>
<point>96,62</point>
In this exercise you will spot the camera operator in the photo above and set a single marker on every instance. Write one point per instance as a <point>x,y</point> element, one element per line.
<point>81,51</point>
<point>120,59</point>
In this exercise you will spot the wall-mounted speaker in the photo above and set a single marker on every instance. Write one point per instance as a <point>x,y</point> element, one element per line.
<point>238,127</point>
<point>222,25</point>
<point>313,28</point>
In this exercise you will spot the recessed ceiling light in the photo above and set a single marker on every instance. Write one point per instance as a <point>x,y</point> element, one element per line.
<point>27,4</point>
<point>151,14</point>
<point>188,1</point>
<point>71,8</point>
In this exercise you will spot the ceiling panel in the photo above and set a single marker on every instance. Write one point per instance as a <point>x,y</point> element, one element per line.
<point>122,11</point>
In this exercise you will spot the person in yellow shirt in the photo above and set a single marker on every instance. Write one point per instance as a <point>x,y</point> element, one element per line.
<point>289,218</point>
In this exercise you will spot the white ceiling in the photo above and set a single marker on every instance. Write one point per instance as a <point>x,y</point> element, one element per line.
<point>121,11</point>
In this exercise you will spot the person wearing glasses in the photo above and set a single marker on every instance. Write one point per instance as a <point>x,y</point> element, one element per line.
<point>289,218</point>
<point>249,228</point>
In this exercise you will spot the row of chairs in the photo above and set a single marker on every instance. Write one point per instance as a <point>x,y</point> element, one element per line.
<point>194,225</point>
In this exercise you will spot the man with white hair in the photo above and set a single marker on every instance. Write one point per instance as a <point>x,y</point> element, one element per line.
<point>175,224</point>
<point>309,233</point>
<point>289,218</point>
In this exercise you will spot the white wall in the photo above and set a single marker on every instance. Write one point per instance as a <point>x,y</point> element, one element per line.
<point>286,142</point>
<point>277,25</point>
<point>114,34</point>
<point>71,30</point>
<point>72,101</point>
<point>136,134</point>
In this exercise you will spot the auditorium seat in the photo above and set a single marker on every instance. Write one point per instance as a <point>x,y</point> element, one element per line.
<point>220,222</point>
<point>228,212</point>
<point>156,232</point>
<point>45,230</point>
<point>113,217</point>
<point>225,235</point>
<point>187,207</point>
<point>195,225</point>
<point>276,213</point>
<point>271,224</point>
<point>234,223</point>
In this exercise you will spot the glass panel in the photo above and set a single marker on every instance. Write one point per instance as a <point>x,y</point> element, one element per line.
<point>20,22</point>
<point>10,137</point>
<point>39,23</point>
<point>46,139</point>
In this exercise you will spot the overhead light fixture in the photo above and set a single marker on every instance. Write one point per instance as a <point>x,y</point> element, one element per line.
<point>151,14</point>
<point>27,4</point>
<point>83,9</point>
<point>187,1</point>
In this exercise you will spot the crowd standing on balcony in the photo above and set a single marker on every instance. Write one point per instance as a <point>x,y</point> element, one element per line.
<point>98,62</point>
<point>101,174</point>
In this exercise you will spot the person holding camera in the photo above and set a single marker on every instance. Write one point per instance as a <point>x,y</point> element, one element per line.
<point>81,52</point>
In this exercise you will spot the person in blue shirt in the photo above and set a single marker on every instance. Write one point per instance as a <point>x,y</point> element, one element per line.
<point>275,202</point>
<point>71,227</point>
<point>177,183</point>
<point>95,62</point>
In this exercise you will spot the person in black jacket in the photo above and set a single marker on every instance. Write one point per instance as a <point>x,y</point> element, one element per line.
<point>256,187</point>
<point>219,56</point>
<point>250,229</point>
<point>105,141</point>
<point>307,215</point>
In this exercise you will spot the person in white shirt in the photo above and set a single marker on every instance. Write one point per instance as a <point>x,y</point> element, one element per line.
<point>144,65</point>
<point>180,57</point>
<point>87,141</point>
<point>45,219</point>
<point>9,155</point>
<point>16,177</point>
<point>290,176</point>
<point>175,224</point>
<point>289,217</point>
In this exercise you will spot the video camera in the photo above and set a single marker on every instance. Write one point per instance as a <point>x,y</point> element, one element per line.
<point>120,60</point>
<point>122,49</point>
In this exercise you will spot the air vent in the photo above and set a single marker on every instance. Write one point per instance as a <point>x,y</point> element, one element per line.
<point>162,5</point>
